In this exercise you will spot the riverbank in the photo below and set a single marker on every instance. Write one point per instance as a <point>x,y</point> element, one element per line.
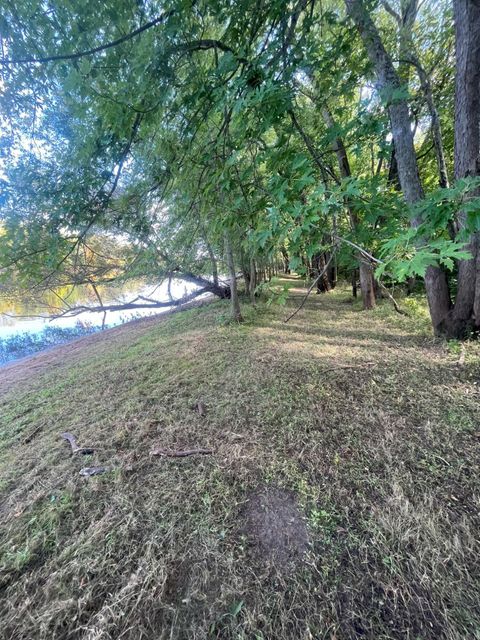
<point>30,366</point>
<point>27,327</point>
<point>340,500</point>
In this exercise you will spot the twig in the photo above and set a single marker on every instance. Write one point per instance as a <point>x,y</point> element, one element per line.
<point>31,435</point>
<point>180,454</point>
<point>93,471</point>
<point>311,288</point>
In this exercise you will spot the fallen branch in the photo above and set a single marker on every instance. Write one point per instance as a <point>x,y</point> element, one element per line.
<point>32,434</point>
<point>93,471</point>
<point>180,454</point>
<point>84,451</point>
<point>394,302</point>
<point>322,272</point>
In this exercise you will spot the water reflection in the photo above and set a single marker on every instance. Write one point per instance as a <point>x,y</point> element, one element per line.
<point>22,316</point>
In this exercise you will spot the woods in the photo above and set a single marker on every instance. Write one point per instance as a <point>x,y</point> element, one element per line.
<point>235,138</point>
<point>239,319</point>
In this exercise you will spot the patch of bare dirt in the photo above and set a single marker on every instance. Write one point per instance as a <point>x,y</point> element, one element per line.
<point>275,526</point>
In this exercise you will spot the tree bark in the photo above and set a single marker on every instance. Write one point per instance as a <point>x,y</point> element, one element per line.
<point>367,285</point>
<point>213,261</point>
<point>253,280</point>
<point>466,313</point>
<point>323,284</point>
<point>388,84</point>
<point>236,311</point>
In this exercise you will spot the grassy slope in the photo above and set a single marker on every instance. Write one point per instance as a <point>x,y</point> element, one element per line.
<point>382,458</point>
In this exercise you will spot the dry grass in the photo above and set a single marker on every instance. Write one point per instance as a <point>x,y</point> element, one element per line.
<point>382,459</point>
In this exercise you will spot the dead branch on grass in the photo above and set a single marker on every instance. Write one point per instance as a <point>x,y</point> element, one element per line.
<point>84,451</point>
<point>180,454</point>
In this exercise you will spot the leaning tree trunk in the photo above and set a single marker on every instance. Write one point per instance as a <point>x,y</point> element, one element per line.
<point>236,312</point>
<point>389,86</point>
<point>466,313</point>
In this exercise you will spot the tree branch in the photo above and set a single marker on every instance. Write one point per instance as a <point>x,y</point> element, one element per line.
<point>324,270</point>
<point>88,52</point>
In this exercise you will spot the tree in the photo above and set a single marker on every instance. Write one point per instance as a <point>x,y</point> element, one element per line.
<point>466,313</point>
<point>206,142</point>
<point>446,318</point>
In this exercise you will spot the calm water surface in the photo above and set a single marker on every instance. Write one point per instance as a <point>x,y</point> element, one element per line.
<point>30,323</point>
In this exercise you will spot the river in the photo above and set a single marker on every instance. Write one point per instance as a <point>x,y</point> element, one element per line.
<point>26,326</point>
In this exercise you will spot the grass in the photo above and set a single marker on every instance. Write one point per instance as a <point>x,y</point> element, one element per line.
<point>370,423</point>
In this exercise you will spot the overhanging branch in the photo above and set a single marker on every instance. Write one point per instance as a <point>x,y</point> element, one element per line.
<point>88,52</point>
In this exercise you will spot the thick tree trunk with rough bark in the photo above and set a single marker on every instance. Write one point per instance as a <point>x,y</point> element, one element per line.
<point>388,84</point>
<point>465,315</point>
<point>367,285</point>
<point>236,312</point>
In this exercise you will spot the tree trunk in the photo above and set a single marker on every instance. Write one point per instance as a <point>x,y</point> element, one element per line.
<point>436,127</point>
<point>407,55</point>
<point>466,313</point>
<point>323,285</point>
<point>411,283</point>
<point>253,280</point>
<point>366,275</point>
<point>332,272</point>
<point>213,261</point>
<point>354,283</point>
<point>388,84</point>
<point>367,285</point>
<point>236,312</point>
<point>203,283</point>
<point>392,178</point>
